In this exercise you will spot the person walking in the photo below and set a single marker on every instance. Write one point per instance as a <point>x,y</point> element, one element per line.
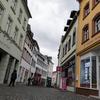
<point>13,78</point>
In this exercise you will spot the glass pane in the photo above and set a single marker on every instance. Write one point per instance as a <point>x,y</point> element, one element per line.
<point>85,73</point>
<point>94,76</point>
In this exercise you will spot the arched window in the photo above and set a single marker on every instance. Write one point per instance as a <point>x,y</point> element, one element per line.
<point>96,24</point>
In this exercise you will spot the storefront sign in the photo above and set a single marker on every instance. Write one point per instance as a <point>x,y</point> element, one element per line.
<point>59,68</point>
<point>63,85</point>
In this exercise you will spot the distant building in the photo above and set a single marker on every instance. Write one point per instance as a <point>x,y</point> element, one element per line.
<point>54,78</point>
<point>41,69</point>
<point>14,15</point>
<point>88,48</point>
<point>28,62</point>
<point>49,71</point>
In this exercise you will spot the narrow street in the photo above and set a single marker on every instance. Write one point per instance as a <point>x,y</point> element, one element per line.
<point>21,92</point>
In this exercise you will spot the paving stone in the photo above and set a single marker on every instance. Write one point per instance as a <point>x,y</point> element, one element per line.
<point>21,92</point>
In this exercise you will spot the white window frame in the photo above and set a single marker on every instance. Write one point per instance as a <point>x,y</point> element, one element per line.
<point>14,5</point>
<point>9,25</point>
<point>16,33</point>
<point>2,11</point>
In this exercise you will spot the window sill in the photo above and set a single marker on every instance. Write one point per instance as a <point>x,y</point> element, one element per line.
<point>73,44</point>
<point>19,20</point>
<point>13,10</point>
<point>95,33</point>
<point>86,16</point>
<point>23,28</point>
<point>84,41</point>
<point>95,5</point>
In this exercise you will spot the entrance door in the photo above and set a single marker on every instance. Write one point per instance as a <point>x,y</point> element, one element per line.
<point>99,76</point>
<point>7,74</point>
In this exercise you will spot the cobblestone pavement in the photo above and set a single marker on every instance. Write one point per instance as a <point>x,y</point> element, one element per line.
<point>21,92</point>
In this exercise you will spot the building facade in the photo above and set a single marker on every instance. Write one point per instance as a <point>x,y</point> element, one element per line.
<point>28,62</point>
<point>49,72</point>
<point>67,55</point>
<point>14,15</point>
<point>88,48</point>
<point>54,78</point>
<point>41,70</point>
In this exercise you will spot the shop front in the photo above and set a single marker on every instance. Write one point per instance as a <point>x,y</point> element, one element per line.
<point>49,80</point>
<point>68,75</point>
<point>90,73</point>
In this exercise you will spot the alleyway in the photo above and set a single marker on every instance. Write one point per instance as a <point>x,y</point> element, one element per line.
<point>35,93</point>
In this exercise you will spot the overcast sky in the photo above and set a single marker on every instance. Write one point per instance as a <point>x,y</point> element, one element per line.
<point>48,20</point>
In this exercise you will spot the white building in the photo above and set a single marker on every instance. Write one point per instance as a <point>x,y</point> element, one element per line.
<point>14,15</point>
<point>49,71</point>
<point>28,62</point>
<point>41,69</point>
<point>54,78</point>
<point>67,54</point>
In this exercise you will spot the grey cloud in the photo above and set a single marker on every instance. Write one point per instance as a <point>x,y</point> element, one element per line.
<point>48,20</point>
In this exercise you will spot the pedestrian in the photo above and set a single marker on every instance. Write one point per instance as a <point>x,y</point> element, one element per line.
<point>13,78</point>
<point>29,81</point>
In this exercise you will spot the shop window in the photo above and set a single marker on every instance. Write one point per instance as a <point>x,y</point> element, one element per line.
<point>86,10</point>
<point>85,35</point>
<point>94,76</point>
<point>85,73</point>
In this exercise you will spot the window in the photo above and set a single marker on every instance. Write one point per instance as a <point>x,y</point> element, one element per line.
<point>24,24</point>
<point>1,11</point>
<point>63,51</point>
<point>20,16</point>
<point>21,40</point>
<point>97,24</point>
<point>85,36</point>
<point>66,48</point>
<point>94,71</point>
<point>9,24</point>
<point>85,72</point>
<point>69,44</point>
<point>33,63</point>
<point>14,5</point>
<point>96,1</point>
<point>16,34</point>
<point>74,38</point>
<point>86,10</point>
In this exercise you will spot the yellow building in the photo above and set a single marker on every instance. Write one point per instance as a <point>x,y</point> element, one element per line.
<point>88,48</point>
